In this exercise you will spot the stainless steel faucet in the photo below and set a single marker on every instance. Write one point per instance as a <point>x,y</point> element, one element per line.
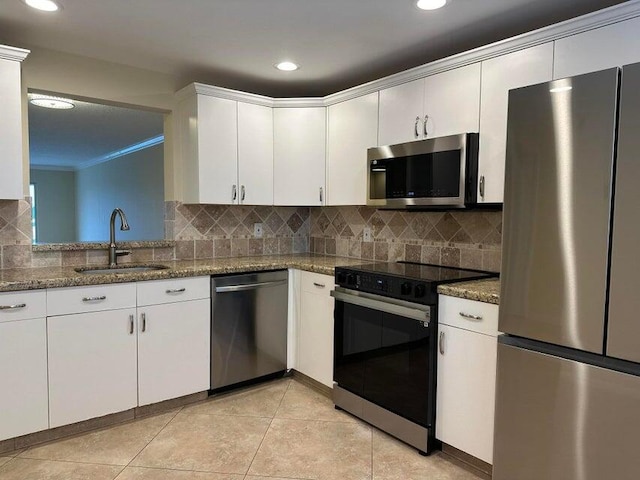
<point>124,225</point>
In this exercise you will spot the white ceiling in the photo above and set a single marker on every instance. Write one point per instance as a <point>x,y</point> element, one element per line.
<point>234,43</point>
<point>68,138</point>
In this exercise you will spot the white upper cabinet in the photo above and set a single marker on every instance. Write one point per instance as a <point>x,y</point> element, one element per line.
<point>448,102</point>
<point>499,75</point>
<point>452,102</point>
<point>299,156</point>
<point>611,46</point>
<point>11,182</point>
<point>255,154</point>
<point>400,114</point>
<point>352,129</point>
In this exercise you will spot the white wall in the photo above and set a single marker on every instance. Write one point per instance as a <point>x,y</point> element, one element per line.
<point>55,205</point>
<point>133,183</point>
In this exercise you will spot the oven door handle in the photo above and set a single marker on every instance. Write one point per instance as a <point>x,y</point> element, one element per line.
<point>385,305</point>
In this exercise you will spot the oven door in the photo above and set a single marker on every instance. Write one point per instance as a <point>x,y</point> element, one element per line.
<point>383,352</point>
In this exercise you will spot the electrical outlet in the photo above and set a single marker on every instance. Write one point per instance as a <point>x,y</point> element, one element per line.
<point>257,230</point>
<point>366,234</point>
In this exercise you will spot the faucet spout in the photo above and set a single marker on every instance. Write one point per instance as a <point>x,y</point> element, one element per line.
<point>124,225</point>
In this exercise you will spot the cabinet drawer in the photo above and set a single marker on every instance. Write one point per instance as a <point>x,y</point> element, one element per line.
<point>23,305</point>
<point>468,314</point>
<point>95,298</point>
<point>173,290</point>
<point>317,283</point>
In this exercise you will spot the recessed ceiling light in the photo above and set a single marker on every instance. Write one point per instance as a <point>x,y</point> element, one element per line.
<point>430,4</point>
<point>287,66</point>
<point>45,5</point>
<point>47,101</point>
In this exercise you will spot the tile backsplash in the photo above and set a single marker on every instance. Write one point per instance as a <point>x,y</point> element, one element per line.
<point>470,239</point>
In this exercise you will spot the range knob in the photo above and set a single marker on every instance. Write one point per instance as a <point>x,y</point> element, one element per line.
<point>405,288</point>
<point>351,279</point>
<point>341,277</point>
<point>420,290</point>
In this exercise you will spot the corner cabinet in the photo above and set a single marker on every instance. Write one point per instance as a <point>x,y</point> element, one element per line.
<point>466,381</point>
<point>499,75</point>
<point>226,147</point>
<point>11,180</point>
<point>444,104</point>
<point>299,156</point>
<point>352,128</point>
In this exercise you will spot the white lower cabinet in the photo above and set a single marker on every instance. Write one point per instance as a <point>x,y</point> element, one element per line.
<point>173,350</point>
<point>315,328</point>
<point>23,376</point>
<point>467,375</point>
<point>92,365</point>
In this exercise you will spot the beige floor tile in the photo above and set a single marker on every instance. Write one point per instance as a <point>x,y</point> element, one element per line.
<point>314,450</point>
<point>116,445</point>
<point>394,460</point>
<point>303,403</point>
<point>259,401</point>
<point>30,469</point>
<point>210,443</point>
<point>142,473</point>
<point>253,477</point>
<point>4,460</point>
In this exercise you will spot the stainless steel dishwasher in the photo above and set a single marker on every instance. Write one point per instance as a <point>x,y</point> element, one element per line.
<point>248,327</point>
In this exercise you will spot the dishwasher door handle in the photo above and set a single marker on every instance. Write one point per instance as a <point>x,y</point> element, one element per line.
<point>250,286</point>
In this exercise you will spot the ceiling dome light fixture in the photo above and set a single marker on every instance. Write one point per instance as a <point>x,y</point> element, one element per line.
<point>47,101</point>
<point>287,66</point>
<point>430,4</point>
<point>44,5</point>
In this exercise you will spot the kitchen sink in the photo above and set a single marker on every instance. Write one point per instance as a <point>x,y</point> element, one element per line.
<point>120,269</point>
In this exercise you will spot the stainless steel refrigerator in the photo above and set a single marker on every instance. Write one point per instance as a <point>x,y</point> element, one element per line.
<point>568,385</point>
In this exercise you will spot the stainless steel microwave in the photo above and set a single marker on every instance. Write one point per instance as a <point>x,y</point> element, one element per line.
<point>437,172</point>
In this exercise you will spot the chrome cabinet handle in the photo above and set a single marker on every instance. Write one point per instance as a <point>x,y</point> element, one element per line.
<point>175,290</point>
<point>469,316</point>
<point>13,307</point>
<point>441,343</point>
<point>426,132</point>
<point>415,127</point>
<point>321,194</point>
<point>234,193</point>
<point>143,316</point>
<point>482,186</point>
<point>242,193</point>
<point>94,299</point>
<point>130,324</point>
<point>319,285</point>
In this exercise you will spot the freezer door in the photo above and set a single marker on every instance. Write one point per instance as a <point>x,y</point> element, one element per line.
<point>560,140</point>
<point>558,419</point>
<point>623,340</point>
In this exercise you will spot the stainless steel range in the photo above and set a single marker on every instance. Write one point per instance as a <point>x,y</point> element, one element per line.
<point>385,345</point>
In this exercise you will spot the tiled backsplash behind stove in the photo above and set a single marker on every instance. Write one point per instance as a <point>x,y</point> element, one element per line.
<point>468,239</point>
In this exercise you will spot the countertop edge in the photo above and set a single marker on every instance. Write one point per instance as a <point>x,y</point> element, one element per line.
<point>486,291</point>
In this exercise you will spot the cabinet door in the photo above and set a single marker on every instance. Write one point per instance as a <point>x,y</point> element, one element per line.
<point>401,113</point>
<point>92,365</point>
<point>466,391</point>
<point>611,46</point>
<point>499,75</point>
<point>452,102</point>
<point>173,350</point>
<point>315,330</point>
<point>217,154</point>
<point>352,128</point>
<point>299,156</point>
<point>23,376</point>
<point>11,181</point>
<point>255,154</point>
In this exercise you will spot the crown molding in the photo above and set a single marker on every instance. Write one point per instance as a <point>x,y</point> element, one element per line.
<point>590,21</point>
<point>13,53</point>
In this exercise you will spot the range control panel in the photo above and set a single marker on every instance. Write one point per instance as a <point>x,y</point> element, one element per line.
<point>387,285</point>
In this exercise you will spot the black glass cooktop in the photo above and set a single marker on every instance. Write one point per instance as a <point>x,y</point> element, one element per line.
<point>434,274</point>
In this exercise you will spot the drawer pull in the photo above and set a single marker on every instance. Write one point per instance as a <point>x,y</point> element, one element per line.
<point>176,290</point>
<point>13,307</point>
<point>319,285</point>
<point>94,299</point>
<point>470,317</point>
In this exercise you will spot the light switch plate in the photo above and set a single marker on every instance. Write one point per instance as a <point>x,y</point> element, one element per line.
<point>366,235</point>
<point>257,230</point>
